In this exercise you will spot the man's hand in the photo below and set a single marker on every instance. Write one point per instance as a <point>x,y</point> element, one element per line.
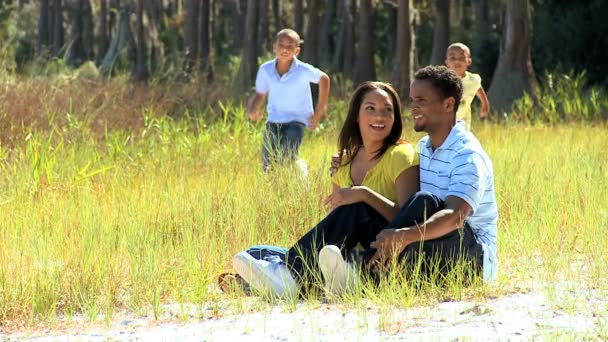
<point>255,116</point>
<point>335,163</point>
<point>483,115</point>
<point>389,243</point>
<point>344,196</point>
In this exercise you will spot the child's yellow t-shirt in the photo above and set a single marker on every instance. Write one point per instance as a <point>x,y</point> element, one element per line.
<point>470,85</point>
<point>382,177</point>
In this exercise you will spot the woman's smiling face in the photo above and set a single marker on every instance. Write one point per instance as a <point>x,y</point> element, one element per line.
<point>376,115</point>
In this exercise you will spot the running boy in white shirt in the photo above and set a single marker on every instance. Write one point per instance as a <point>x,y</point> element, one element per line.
<point>285,80</point>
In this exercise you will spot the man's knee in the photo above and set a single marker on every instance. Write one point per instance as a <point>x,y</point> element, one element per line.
<point>417,209</point>
<point>424,204</point>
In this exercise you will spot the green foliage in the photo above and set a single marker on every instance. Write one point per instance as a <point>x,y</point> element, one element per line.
<point>563,98</point>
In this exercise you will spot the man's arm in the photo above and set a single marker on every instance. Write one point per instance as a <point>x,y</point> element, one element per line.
<point>321,102</point>
<point>390,242</point>
<point>485,103</point>
<point>253,106</point>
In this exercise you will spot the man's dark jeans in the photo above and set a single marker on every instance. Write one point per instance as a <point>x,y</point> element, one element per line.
<point>281,142</point>
<point>349,225</point>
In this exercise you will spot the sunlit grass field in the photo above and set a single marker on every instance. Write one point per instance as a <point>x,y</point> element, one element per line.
<point>140,218</point>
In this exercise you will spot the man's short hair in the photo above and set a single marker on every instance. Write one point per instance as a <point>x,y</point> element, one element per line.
<point>444,79</point>
<point>289,33</point>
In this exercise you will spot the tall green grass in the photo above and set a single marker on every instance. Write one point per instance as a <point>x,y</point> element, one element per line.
<point>563,97</point>
<point>150,216</point>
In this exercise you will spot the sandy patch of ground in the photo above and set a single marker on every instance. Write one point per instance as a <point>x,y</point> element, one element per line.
<point>521,316</point>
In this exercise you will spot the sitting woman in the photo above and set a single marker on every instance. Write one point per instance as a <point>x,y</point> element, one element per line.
<point>378,175</point>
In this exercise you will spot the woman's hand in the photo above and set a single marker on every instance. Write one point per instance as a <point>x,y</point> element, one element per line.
<point>335,163</point>
<point>343,196</point>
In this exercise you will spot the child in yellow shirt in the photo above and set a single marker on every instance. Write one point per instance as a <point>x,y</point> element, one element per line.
<point>458,58</point>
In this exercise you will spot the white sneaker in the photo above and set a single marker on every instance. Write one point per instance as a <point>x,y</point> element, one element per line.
<point>273,279</point>
<point>339,275</point>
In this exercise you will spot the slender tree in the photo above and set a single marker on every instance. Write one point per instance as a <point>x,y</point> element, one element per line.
<point>345,48</point>
<point>311,39</point>
<point>248,68</point>
<point>326,45</point>
<point>87,29</point>
<point>140,70</point>
<point>239,24</point>
<point>365,68</point>
<point>277,15</point>
<point>191,30</point>
<point>298,16</point>
<point>441,32</point>
<point>122,40</point>
<point>482,26</point>
<point>75,50</point>
<point>514,74</point>
<point>391,32</point>
<point>403,64</point>
<point>58,31</point>
<point>104,34</point>
<point>205,40</point>
<point>264,41</point>
<point>153,10</point>
<point>43,27</point>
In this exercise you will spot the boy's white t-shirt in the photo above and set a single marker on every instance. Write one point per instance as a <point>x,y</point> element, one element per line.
<point>470,85</point>
<point>289,96</point>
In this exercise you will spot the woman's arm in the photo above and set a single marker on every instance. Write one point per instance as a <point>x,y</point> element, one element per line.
<point>407,184</point>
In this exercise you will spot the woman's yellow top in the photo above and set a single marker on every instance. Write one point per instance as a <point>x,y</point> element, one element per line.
<point>382,177</point>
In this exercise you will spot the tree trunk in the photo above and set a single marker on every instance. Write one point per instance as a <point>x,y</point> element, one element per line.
<point>154,12</point>
<point>365,69</point>
<point>87,30</point>
<point>191,28</point>
<point>264,41</point>
<point>327,44</point>
<point>248,68</point>
<point>104,39</point>
<point>58,31</point>
<point>140,71</point>
<point>298,16</point>
<point>75,52</point>
<point>114,8</point>
<point>205,40</point>
<point>391,32</point>
<point>403,64</point>
<point>345,47</point>
<point>122,39</point>
<point>43,27</point>
<point>239,24</point>
<point>514,74</point>
<point>277,16</point>
<point>80,46</point>
<point>457,13</point>
<point>441,34</point>
<point>311,40</point>
<point>480,8</point>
